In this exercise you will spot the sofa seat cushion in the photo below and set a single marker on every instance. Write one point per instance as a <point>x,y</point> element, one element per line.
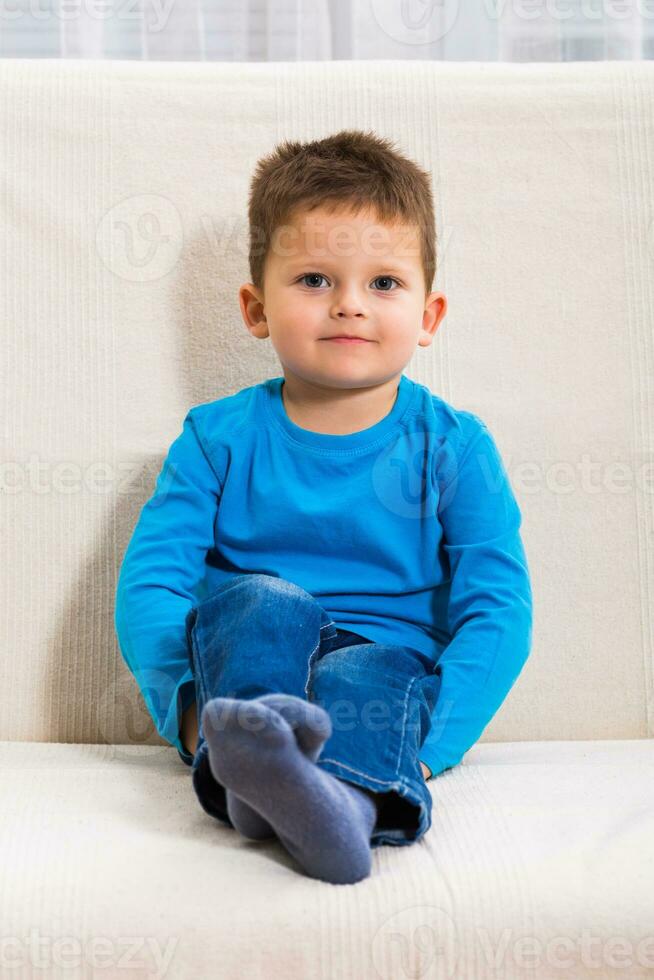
<point>539,862</point>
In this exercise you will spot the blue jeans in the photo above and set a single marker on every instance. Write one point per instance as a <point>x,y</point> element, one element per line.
<point>259,634</point>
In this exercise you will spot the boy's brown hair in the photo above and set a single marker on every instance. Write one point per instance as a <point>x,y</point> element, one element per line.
<point>349,169</point>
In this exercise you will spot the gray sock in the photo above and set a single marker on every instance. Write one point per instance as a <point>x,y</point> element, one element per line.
<point>312,727</point>
<point>325,823</point>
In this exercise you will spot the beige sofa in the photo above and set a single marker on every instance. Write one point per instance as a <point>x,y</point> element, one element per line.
<point>124,241</point>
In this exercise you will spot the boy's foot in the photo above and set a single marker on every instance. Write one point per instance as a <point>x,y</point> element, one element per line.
<point>312,727</point>
<point>324,822</point>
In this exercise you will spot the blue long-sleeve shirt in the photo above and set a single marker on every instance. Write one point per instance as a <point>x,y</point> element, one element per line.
<point>407,532</point>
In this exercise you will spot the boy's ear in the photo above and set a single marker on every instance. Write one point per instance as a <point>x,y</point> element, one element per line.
<point>252,310</point>
<point>435,310</point>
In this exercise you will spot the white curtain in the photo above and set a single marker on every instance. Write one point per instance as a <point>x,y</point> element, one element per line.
<point>306,30</point>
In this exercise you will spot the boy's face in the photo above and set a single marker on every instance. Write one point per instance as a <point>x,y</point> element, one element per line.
<point>330,274</point>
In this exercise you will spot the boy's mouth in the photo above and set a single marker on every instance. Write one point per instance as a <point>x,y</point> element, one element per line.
<point>342,339</point>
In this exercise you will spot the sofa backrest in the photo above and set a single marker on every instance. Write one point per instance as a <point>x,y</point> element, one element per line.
<point>124,242</point>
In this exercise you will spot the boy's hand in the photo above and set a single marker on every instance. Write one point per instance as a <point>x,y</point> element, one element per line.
<point>426,771</point>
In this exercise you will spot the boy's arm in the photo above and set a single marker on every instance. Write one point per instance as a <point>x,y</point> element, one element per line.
<point>490,607</point>
<point>162,565</point>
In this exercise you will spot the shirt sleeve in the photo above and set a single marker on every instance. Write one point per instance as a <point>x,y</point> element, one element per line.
<point>490,603</point>
<point>163,563</point>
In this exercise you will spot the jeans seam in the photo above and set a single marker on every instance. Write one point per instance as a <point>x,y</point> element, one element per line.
<point>405,713</point>
<point>199,673</point>
<point>420,744</point>
<point>359,772</point>
<point>309,666</point>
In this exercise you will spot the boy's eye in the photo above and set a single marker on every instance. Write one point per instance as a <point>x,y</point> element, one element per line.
<point>386,279</point>
<point>318,275</point>
<point>311,275</point>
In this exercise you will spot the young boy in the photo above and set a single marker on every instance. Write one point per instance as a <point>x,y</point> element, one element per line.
<point>336,538</point>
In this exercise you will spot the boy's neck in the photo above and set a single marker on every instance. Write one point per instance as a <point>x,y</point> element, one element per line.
<point>337,411</point>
